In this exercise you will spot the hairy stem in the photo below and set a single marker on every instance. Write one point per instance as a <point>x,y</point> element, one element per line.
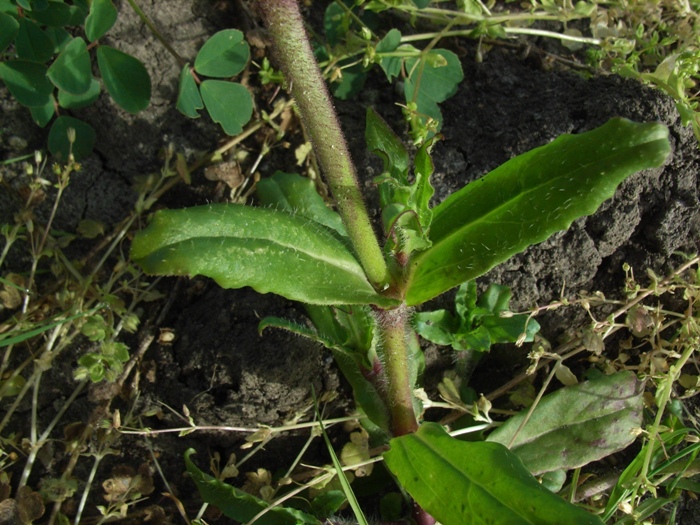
<point>399,393</point>
<point>293,53</point>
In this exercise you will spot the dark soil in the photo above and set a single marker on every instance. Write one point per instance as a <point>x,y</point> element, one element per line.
<point>219,367</point>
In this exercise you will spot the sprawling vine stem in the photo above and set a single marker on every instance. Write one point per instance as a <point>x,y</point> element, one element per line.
<point>293,54</point>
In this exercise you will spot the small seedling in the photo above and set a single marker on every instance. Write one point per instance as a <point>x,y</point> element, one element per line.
<point>359,294</point>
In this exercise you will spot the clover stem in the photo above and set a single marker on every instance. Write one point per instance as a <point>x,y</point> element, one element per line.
<point>292,51</point>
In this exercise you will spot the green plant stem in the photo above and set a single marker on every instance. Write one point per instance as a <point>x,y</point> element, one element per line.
<point>293,52</point>
<point>394,336</point>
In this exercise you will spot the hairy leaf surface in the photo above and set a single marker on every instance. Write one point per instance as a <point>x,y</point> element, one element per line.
<point>269,250</point>
<point>296,194</point>
<point>529,198</point>
<point>578,424</point>
<point>475,483</point>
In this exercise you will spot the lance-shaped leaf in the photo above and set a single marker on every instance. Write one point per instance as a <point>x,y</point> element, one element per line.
<point>296,194</point>
<point>474,483</point>
<point>269,250</point>
<point>578,424</point>
<point>239,505</point>
<point>529,198</point>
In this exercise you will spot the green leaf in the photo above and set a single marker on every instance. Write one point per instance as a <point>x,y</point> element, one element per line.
<point>293,193</point>
<point>71,71</point>
<point>188,100</point>
<point>42,115</point>
<point>239,505</point>
<point>432,79</point>
<point>32,42</point>
<point>60,146</point>
<point>327,503</point>
<point>270,250</point>
<point>8,30</point>
<point>12,386</point>
<point>60,38</point>
<point>578,424</point>
<point>27,82</point>
<point>420,4</point>
<point>492,302</point>
<point>125,78</point>
<point>405,205</point>
<point>70,101</point>
<point>228,104</point>
<point>465,483</point>
<point>383,142</point>
<point>336,23</point>
<point>529,198</point>
<point>391,65</point>
<point>79,11</point>
<point>102,17</point>
<point>438,326</point>
<point>224,55</point>
<point>56,14</point>
<point>350,82</point>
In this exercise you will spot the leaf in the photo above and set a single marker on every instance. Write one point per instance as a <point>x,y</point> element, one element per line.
<point>27,82</point>
<point>478,323</point>
<point>79,12</point>
<point>70,101</point>
<point>189,102</point>
<point>438,326</point>
<point>102,17</point>
<point>125,78</point>
<point>351,81</point>
<point>529,198</point>
<point>406,214</point>
<point>239,505</point>
<point>71,71</point>
<point>432,79</point>
<point>390,64</point>
<point>420,4</point>
<point>8,30</point>
<point>224,55</point>
<point>270,250</point>
<point>59,37</point>
<point>32,42</point>
<point>42,115</point>
<point>578,424</point>
<point>383,142</point>
<point>293,193</point>
<point>60,146</point>
<point>465,483</point>
<point>228,104</point>
<point>56,14</point>
<point>328,503</point>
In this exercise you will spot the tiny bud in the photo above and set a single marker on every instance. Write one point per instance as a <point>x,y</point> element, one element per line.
<point>38,157</point>
<point>71,135</point>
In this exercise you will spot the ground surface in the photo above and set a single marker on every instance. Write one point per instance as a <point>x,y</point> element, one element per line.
<point>218,365</point>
